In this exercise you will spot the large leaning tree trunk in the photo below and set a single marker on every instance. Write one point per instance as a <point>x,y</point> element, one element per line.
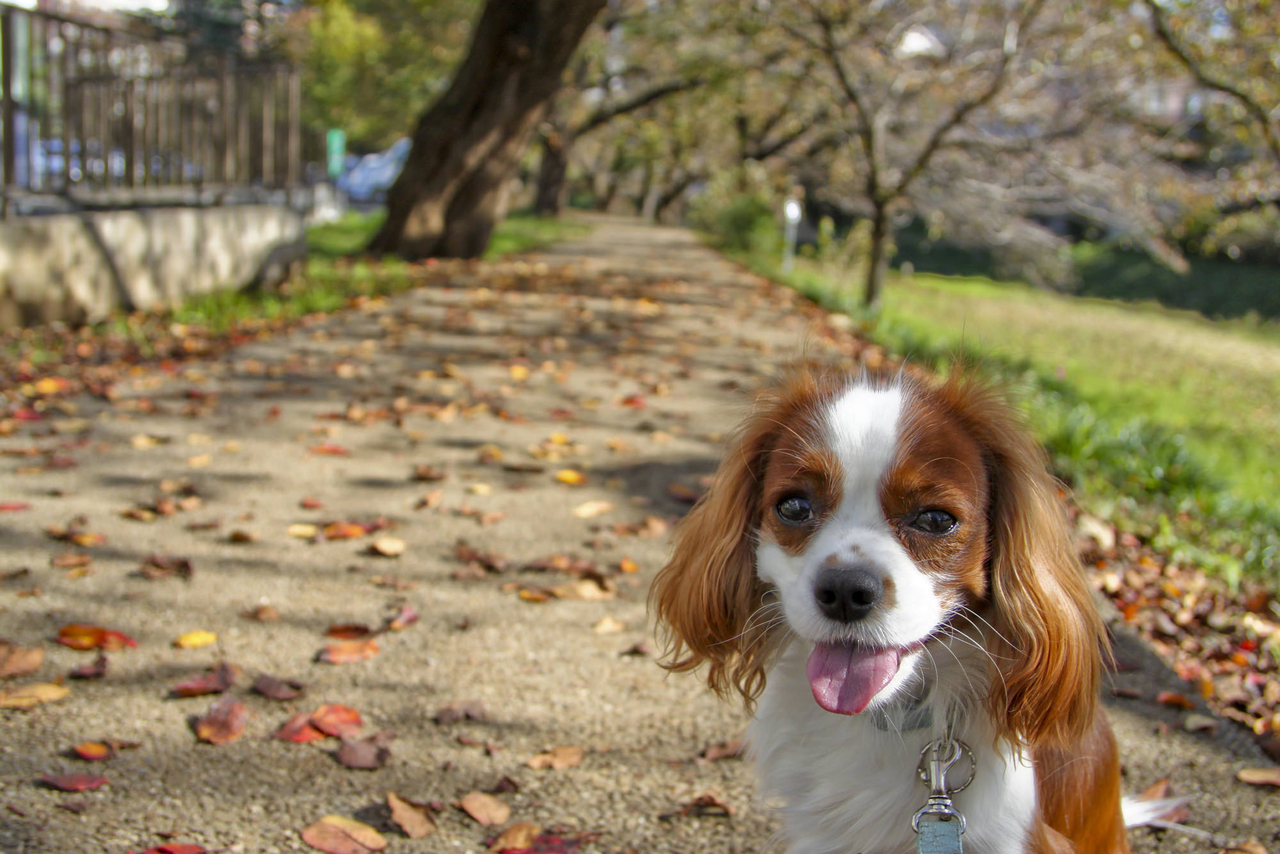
<point>467,146</point>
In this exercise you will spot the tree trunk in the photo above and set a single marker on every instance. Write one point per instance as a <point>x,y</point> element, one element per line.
<point>467,146</point>
<point>878,262</point>
<point>553,169</point>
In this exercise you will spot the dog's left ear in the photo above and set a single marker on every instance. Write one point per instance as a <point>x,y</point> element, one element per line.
<point>1052,636</point>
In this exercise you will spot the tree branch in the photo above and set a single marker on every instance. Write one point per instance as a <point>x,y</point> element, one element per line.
<point>1270,127</point>
<point>606,114</point>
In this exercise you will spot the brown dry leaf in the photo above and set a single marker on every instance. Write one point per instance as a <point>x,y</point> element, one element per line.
<point>73,782</point>
<point>1175,699</point>
<point>412,818</point>
<point>517,837</point>
<point>282,690</point>
<point>19,661</point>
<point>70,560</point>
<point>485,809</point>
<point>703,805</point>
<point>348,631</point>
<point>365,754</point>
<point>1260,776</point>
<point>224,723</point>
<point>30,696</point>
<point>347,651</point>
<point>387,547</point>
<point>217,680</point>
<point>335,834</point>
<point>262,614</point>
<point>459,710</point>
<point>1249,846</point>
<point>591,509</point>
<point>721,750</point>
<point>558,758</point>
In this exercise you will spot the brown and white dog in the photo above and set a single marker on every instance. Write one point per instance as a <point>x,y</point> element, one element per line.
<point>882,561</point>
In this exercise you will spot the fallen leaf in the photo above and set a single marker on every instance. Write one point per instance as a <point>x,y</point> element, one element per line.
<point>96,670</point>
<point>642,648</point>
<point>348,631</point>
<point>277,689</point>
<point>461,710</point>
<point>517,837</point>
<point>303,531</point>
<point>158,566</point>
<point>608,625</point>
<point>19,661</point>
<point>344,530</point>
<point>484,808</point>
<point>591,509</point>
<point>628,565</point>
<point>1200,723</point>
<point>329,449</point>
<point>298,729</point>
<point>93,751</point>
<point>429,474</point>
<point>387,547</point>
<point>571,477</point>
<point>558,759</point>
<point>335,834</point>
<point>70,560</point>
<point>337,720</point>
<point>1249,846</point>
<point>1260,776</point>
<point>241,536</point>
<point>1173,698</point>
<point>73,782</point>
<point>177,848</point>
<point>217,680</point>
<point>30,696</point>
<point>310,503</point>
<point>722,750</point>
<point>224,722</point>
<point>589,589</point>
<point>682,493</point>
<point>347,651</point>
<point>195,639</point>
<point>13,506</point>
<point>413,819</point>
<point>262,614</point>
<point>703,805</point>
<point>365,754</point>
<point>405,617</point>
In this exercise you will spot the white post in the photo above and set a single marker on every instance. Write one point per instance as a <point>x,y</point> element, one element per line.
<point>791,213</point>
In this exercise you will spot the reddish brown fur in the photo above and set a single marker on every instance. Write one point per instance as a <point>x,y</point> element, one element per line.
<point>964,450</point>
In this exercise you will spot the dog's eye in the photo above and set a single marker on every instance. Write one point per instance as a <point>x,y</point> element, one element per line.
<point>794,510</point>
<point>936,522</point>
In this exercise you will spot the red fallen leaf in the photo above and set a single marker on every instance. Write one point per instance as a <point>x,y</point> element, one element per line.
<point>554,841</point>
<point>299,730</point>
<point>346,651</point>
<point>217,680</point>
<point>73,782</point>
<point>224,723</point>
<point>348,631</point>
<point>403,619</point>
<point>329,449</point>
<point>26,413</point>
<point>277,689</point>
<point>96,670</point>
<point>309,503</point>
<point>365,754</point>
<point>93,751</point>
<point>13,506</point>
<point>82,637</point>
<point>176,848</point>
<point>1175,699</point>
<point>338,721</point>
<point>634,401</point>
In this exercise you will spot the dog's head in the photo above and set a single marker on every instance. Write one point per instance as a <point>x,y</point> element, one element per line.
<point>883,521</point>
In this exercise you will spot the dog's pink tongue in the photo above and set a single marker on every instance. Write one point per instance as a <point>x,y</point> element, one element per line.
<point>845,677</point>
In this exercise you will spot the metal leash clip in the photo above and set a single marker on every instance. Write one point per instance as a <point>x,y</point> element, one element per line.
<point>938,823</point>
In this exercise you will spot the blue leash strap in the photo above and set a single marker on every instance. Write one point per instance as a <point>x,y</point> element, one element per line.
<point>938,824</point>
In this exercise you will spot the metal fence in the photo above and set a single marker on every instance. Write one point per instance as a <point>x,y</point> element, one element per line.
<point>91,110</point>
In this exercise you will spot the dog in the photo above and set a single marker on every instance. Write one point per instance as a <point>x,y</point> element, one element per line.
<point>884,570</point>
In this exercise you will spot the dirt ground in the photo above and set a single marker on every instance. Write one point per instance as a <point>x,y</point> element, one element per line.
<point>623,357</point>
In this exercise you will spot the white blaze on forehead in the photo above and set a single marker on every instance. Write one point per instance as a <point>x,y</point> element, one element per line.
<point>862,432</point>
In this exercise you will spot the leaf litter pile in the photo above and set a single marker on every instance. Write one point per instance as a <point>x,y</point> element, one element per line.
<point>402,480</point>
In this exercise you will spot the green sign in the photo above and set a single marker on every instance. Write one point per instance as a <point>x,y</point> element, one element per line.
<point>335,147</point>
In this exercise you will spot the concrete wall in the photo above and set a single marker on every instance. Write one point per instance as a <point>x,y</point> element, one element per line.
<point>80,267</point>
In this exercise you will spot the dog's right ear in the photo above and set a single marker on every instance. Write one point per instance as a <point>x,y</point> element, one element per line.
<point>708,593</point>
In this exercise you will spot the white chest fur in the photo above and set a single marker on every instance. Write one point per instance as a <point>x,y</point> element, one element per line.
<point>846,787</point>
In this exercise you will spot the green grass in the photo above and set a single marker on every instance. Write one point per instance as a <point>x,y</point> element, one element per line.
<point>334,274</point>
<point>1164,420</point>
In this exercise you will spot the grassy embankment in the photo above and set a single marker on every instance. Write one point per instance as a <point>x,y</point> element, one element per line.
<point>1163,420</point>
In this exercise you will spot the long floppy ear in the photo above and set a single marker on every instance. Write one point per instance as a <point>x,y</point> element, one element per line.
<point>1046,693</point>
<point>708,593</point>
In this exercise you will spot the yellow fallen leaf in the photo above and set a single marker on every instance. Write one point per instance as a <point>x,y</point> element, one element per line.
<point>609,626</point>
<point>200,461</point>
<point>572,477</point>
<point>558,759</point>
<point>519,373</point>
<point>303,531</point>
<point>558,438</point>
<point>591,509</point>
<point>388,546</point>
<point>30,696</point>
<point>196,639</point>
<point>518,836</point>
<point>480,489</point>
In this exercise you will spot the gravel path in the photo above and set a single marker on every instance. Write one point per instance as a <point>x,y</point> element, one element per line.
<point>618,360</point>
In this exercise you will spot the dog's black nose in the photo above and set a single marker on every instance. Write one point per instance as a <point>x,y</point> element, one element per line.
<point>848,594</point>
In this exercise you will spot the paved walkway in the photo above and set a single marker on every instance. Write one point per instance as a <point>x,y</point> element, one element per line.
<point>453,422</point>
